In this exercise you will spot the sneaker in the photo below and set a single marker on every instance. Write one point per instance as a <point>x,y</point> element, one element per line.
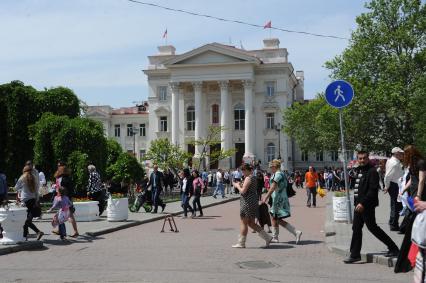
<point>275,240</point>
<point>351,259</point>
<point>298,235</point>
<point>214,196</point>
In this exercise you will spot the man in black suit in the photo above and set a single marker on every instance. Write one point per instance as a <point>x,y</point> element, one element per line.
<point>156,181</point>
<point>366,198</point>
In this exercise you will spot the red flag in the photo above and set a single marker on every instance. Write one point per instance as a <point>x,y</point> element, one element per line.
<point>268,25</point>
<point>165,34</point>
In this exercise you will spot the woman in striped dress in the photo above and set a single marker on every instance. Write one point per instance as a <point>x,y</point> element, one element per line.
<point>249,202</point>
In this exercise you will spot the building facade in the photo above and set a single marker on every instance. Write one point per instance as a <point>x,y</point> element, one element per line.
<point>243,91</point>
<point>128,126</point>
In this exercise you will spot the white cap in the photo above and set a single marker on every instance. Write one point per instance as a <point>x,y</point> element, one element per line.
<point>396,150</point>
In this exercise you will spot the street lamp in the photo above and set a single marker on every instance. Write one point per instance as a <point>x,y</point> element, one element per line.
<point>279,128</point>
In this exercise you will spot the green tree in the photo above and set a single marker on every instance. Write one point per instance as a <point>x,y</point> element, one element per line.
<point>166,155</point>
<point>386,64</point>
<point>125,169</point>
<point>59,100</point>
<point>207,146</point>
<point>78,162</point>
<point>113,152</point>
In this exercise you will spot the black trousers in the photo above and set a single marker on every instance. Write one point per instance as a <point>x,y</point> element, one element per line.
<point>196,202</point>
<point>29,222</point>
<point>395,206</point>
<point>100,197</point>
<point>368,216</point>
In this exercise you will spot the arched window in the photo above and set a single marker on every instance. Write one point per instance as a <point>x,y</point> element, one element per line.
<point>215,114</point>
<point>239,117</point>
<point>190,118</point>
<point>270,152</point>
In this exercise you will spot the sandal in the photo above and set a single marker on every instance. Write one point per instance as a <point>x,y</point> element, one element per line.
<point>75,235</point>
<point>39,235</point>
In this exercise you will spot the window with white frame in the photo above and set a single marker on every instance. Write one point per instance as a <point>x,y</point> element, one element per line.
<point>320,156</point>
<point>215,114</point>
<point>163,124</point>
<point>270,89</point>
<point>270,152</point>
<point>305,155</point>
<point>129,130</point>
<point>270,120</point>
<point>239,117</point>
<point>142,130</point>
<point>117,130</point>
<point>162,93</point>
<point>334,155</point>
<point>190,118</point>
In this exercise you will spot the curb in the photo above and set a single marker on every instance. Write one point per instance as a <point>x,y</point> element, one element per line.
<point>22,246</point>
<point>137,223</point>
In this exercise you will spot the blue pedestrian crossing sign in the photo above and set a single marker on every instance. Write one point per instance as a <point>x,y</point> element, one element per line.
<point>339,94</point>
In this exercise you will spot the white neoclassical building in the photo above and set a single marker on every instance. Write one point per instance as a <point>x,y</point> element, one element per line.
<point>215,84</point>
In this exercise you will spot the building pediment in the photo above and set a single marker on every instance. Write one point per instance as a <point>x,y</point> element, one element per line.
<point>97,113</point>
<point>215,54</point>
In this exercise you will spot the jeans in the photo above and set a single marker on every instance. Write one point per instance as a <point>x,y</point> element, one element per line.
<point>395,206</point>
<point>196,202</point>
<point>368,216</point>
<point>219,189</point>
<point>62,230</point>
<point>186,205</point>
<point>156,200</point>
<point>312,192</point>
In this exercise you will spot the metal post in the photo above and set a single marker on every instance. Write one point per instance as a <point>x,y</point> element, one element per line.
<point>345,172</point>
<point>278,129</point>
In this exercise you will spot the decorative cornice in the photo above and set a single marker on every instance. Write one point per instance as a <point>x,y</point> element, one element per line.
<point>174,86</point>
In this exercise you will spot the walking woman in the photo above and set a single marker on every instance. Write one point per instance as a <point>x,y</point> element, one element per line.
<point>27,188</point>
<point>198,186</point>
<point>413,160</point>
<point>63,179</point>
<point>186,192</point>
<point>420,269</point>
<point>280,208</point>
<point>249,202</point>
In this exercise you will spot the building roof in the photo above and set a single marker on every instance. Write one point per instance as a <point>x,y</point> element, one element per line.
<point>139,109</point>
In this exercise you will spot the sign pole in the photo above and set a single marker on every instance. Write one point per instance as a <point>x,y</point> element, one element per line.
<point>345,171</point>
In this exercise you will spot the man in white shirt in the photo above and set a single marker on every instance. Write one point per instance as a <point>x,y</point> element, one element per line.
<point>393,173</point>
<point>219,184</point>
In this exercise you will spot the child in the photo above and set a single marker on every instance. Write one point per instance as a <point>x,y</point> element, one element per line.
<point>62,202</point>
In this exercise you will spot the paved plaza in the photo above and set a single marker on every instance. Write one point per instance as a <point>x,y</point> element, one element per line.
<point>200,252</point>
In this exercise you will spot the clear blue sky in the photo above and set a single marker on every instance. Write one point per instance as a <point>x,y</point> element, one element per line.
<point>99,47</point>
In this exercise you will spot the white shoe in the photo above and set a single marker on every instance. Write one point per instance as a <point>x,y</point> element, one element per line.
<point>241,242</point>
<point>265,237</point>
<point>275,240</point>
<point>298,236</point>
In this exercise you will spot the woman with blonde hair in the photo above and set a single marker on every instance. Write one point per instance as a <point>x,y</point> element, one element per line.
<point>249,203</point>
<point>280,208</point>
<point>27,189</point>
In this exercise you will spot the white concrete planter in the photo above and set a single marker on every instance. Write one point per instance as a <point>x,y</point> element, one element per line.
<point>86,211</point>
<point>12,220</point>
<point>340,210</point>
<point>118,209</point>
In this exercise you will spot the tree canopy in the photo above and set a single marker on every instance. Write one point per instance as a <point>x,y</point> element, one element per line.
<point>385,62</point>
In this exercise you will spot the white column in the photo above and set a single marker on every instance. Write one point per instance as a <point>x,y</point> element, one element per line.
<point>175,112</point>
<point>249,119</point>
<point>224,114</point>
<point>198,114</point>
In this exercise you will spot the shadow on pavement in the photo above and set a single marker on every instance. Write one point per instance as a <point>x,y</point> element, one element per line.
<point>305,243</point>
<point>279,247</point>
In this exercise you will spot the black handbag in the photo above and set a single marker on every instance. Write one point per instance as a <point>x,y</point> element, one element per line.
<point>290,191</point>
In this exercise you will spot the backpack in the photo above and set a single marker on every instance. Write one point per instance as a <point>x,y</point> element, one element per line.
<point>3,185</point>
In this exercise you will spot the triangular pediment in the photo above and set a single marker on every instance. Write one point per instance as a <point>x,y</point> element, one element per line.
<point>214,53</point>
<point>97,113</point>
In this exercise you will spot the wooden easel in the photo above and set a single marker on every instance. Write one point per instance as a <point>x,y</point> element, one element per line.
<point>172,223</point>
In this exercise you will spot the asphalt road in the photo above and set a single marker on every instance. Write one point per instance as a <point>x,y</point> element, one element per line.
<point>200,252</point>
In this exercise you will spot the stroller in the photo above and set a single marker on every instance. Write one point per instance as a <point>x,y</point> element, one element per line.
<point>143,199</point>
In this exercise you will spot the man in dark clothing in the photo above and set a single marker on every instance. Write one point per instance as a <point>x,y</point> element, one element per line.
<point>366,199</point>
<point>156,181</point>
